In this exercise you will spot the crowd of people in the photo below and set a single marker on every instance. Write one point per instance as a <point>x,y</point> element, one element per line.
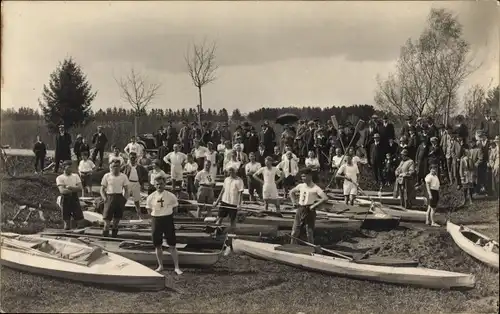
<point>424,154</point>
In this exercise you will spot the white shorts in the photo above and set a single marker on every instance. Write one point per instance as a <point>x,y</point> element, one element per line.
<point>270,192</point>
<point>350,188</point>
<point>176,173</point>
<point>134,189</point>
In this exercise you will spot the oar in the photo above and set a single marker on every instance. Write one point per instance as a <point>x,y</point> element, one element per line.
<point>323,249</point>
<point>11,221</point>
<point>242,208</point>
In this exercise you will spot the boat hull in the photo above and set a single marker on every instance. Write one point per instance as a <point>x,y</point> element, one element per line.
<point>471,248</point>
<point>429,278</point>
<point>110,270</point>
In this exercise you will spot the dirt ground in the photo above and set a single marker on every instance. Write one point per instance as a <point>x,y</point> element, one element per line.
<point>239,284</point>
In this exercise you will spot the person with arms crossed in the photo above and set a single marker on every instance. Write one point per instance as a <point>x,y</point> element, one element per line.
<point>269,184</point>
<point>160,205</point>
<point>114,187</point>
<point>253,185</point>
<point>230,198</point>
<point>115,156</point>
<point>134,147</point>
<point>310,197</point>
<point>349,172</point>
<point>190,169</point>
<point>290,168</point>
<point>205,183</point>
<point>69,184</point>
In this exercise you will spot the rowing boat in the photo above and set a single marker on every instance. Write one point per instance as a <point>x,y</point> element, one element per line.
<point>418,276</point>
<point>474,243</point>
<point>389,200</point>
<point>360,206</point>
<point>192,239</point>
<point>188,223</point>
<point>78,262</point>
<point>337,192</point>
<point>144,253</point>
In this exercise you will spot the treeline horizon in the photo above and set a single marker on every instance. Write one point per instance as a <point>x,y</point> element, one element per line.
<point>114,114</point>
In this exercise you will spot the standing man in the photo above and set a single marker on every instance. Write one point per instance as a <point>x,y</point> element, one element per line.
<point>216,135</point>
<point>268,138</point>
<point>134,147</point>
<point>199,153</point>
<point>185,138</point>
<point>99,140</point>
<point>376,159</point>
<point>269,184</point>
<point>63,147</point>
<point>114,187</point>
<point>204,182</point>
<point>160,205</point>
<point>69,184</point>
<point>404,180</point>
<point>176,161</point>
<point>137,175</point>
<point>230,197</point>
<point>310,197</point>
<point>386,131</point>
<point>40,150</point>
<point>349,172</point>
<point>289,166</point>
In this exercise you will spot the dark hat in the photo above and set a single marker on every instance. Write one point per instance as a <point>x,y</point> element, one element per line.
<point>310,123</point>
<point>434,139</point>
<point>404,152</point>
<point>385,117</point>
<point>67,163</point>
<point>376,135</point>
<point>306,171</point>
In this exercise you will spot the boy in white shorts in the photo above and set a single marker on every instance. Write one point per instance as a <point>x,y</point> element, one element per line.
<point>349,172</point>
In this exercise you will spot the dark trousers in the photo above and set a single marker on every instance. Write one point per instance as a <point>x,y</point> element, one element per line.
<point>378,173</point>
<point>39,160</point>
<point>101,155</point>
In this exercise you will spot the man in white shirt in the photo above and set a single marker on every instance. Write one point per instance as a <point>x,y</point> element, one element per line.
<point>253,185</point>
<point>432,185</point>
<point>337,161</point>
<point>115,156</point>
<point>160,205</point>
<point>204,182</point>
<point>290,168</point>
<point>230,198</point>
<point>199,153</point>
<point>85,168</point>
<point>137,176</point>
<point>134,147</point>
<point>176,160</point>
<point>349,172</point>
<point>114,187</point>
<point>289,149</point>
<point>310,197</point>
<point>69,184</point>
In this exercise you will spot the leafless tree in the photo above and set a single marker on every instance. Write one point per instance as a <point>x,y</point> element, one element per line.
<point>430,70</point>
<point>200,60</point>
<point>138,92</point>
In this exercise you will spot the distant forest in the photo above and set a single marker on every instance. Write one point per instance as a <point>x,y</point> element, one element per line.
<point>344,113</point>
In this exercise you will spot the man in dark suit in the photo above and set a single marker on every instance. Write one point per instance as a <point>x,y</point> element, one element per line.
<point>63,147</point>
<point>432,130</point>
<point>376,159</point>
<point>261,155</point>
<point>368,139</point>
<point>405,130</point>
<point>99,140</point>
<point>268,138</point>
<point>386,131</point>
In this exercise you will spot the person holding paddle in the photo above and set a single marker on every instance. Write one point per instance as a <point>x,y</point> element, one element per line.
<point>204,182</point>
<point>230,197</point>
<point>269,184</point>
<point>310,196</point>
<point>160,205</point>
<point>349,172</point>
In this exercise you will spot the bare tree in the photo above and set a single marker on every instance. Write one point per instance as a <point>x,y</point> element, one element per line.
<point>137,91</point>
<point>200,60</point>
<point>430,70</point>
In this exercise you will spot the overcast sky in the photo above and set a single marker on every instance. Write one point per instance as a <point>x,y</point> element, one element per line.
<point>270,54</point>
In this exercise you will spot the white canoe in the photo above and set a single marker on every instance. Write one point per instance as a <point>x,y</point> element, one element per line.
<point>94,217</point>
<point>418,276</point>
<point>78,262</point>
<point>467,239</point>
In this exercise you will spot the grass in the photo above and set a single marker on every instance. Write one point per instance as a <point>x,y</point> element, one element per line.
<point>240,284</point>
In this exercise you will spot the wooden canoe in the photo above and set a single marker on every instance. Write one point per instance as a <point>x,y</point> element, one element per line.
<point>424,277</point>
<point>467,239</point>
<point>144,253</point>
<point>188,223</point>
<point>337,192</point>
<point>192,239</point>
<point>361,206</point>
<point>78,262</point>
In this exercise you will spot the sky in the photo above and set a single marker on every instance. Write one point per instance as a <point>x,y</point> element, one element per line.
<point>270,54</point>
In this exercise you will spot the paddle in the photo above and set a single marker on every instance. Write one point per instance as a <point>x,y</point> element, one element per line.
<point>322,249</point>
<point>127,244</point>
<point>241,208</point>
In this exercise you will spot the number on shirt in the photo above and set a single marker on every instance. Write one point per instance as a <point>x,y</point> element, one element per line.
<point>209,178</point>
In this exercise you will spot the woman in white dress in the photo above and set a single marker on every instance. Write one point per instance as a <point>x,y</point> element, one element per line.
<point>269,184</point>
<point>312,162</point>
<point>211,155</point>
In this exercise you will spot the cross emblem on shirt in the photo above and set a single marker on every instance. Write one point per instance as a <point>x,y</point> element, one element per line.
<point>161,201</point>
<point>209,178</point>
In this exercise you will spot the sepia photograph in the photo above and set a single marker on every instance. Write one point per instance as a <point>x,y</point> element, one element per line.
<point>249,157</point>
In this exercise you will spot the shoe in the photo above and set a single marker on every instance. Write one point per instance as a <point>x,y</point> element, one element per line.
<point>114,233</point>
<point>105,233</point>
